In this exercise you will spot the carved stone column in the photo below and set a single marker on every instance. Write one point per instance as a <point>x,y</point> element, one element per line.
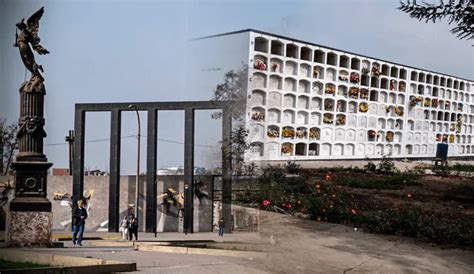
<point>30,216</point>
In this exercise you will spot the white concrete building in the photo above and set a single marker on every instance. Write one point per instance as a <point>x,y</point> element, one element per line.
<point>307,101</point>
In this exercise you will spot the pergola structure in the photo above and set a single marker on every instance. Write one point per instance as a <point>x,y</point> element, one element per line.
<point>153,108</point>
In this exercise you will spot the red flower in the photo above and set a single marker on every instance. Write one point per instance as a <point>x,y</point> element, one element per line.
<point>266,202</point>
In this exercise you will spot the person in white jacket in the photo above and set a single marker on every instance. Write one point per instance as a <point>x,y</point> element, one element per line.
<point>124,228</point>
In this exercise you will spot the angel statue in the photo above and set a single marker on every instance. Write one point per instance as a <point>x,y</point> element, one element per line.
<point>27,36</point>
<point>58,196</point>
<point>172,198</point>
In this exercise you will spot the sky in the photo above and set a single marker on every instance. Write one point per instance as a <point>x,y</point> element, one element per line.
<point>121,51</point>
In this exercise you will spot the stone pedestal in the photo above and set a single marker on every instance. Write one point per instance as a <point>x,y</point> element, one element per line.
<point>25,228</point>
<point>29,220</point>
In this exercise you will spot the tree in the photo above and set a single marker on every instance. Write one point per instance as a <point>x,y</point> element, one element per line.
<point>234,88</point>
<point>460,12</point>
<point>8,144</point>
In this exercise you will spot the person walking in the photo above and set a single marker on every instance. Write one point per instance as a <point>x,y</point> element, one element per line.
<point>124,227</point>
<point>221,227</point>
<point>78,222</point>
<point>133,228</point>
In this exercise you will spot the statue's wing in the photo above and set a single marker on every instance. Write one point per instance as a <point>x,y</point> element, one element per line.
<point>33,22</point>
<point>33,29</point>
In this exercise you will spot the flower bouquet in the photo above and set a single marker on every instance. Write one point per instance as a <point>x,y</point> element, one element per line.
<point>330,89</point>
<point>427,102</point>
<point>452,127</point>
<point>389,136</point>
<point>343,77</point>
<point>451,138</point>
<point>316,73</point>
<point>313,134</point>
<point>341,120</point>
<point>363,107</point>
<point>371,133</point>
<point>328,105</point>
<point>260,64</point>
<point>301,133</point>
<point>288,133</point>
<point>434,103</point>
<point>375,71</point>
<point>401,86</point>
<point>287,148</point>
<point>415,101</point>
<point>387,109</point>
<point>447,104</point>
<point>258,116</point>
<point>354,78</point>
<point>272,132</point>
<point>274,67</point>
<point>354,92</point>
<point>398,111</point>
<point>364,94</point>
<point>392,84</point>
<point>328,118</point>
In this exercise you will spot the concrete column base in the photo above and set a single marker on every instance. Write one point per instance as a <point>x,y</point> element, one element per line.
<point>26,228</point>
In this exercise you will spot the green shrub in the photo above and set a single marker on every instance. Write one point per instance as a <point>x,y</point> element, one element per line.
<point>292,167</point>
<point>379,182</point>
<point>441,170</point>
<point>387,166</point>
<point>413,222</point>
<point>463,167</point>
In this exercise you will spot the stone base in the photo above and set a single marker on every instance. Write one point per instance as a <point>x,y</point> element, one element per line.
<point>27,228</point>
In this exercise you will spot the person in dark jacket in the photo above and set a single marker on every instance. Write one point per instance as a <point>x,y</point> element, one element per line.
<point>221,227</point>
<point>78,222</point>
<point>133,228</point>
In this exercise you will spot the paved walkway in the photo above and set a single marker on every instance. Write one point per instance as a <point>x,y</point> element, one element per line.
<point>295,246</point>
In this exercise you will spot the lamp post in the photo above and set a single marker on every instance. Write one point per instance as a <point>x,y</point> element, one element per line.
<point>137,179</point>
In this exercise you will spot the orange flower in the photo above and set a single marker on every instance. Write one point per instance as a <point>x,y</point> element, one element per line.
<point>327,177</point>
<point>354,212</point>
<point>409,195</point>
